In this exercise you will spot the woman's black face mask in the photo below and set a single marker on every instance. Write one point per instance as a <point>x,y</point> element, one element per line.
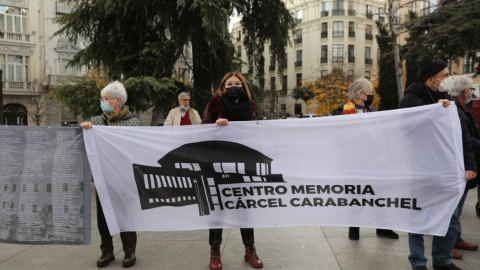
<point>234,92</point>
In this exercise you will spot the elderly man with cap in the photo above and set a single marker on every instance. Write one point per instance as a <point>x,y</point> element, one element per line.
<point>434,83</point>
<point>183,114</point>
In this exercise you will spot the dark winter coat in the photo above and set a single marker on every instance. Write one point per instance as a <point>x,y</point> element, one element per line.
<point>216,109</point>
<point>474,136</point>
<point>418,94</point>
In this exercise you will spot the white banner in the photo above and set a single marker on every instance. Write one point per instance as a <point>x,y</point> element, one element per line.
<point>400,169</point>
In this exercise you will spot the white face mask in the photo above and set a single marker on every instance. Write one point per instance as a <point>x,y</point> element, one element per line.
<point>445,84</point>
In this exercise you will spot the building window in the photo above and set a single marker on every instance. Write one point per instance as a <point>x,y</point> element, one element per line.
<point>351,29</point>
<point>324,56</point>
<point>13,21</point>
<point>351,53</point>
<point>351,8</point>
<point>324,30</point>
<point>298,38</point>
<point>239,51</point>
<point>337,29</point>
<point>338,8</point>
<point>411,6</point>
<point>381,14</point>
<point>271,67</point>
<point>65,208</point>
<point>424,8</point>
<point>337,53</point>
<point>369,13</point>
<point>34,208</point>
<point>468,64</point>
<point>272,84</point>
<point>299,16</point>
<point>35,187</point>
<point>368,56</point>
<point>368,32</point>
<point>283,108</point>
<point>299,79</point>
<point>15,68</point>
<point>325,9</point>
<point>239,35</point>
<point>284,85</point>
<point>285,62</point>
<point>298,61</point>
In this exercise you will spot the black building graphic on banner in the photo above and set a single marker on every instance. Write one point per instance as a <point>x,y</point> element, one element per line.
<point>191,173</point>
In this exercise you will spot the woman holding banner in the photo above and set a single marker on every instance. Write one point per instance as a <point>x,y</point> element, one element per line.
<point>232,102</point>
<point>115,113</point>
<point>360,93</point>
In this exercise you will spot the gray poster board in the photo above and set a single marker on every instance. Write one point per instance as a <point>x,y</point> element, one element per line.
<point>45,184</point>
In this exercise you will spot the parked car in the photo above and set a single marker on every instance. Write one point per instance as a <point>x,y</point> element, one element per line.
<point>311,115</point>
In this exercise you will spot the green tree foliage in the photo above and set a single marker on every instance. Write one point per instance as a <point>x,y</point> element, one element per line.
<point>145,38</point>
<point>265,21</point>
<point>387,85</point>
<point>451,31</point>
<point>81,97</point>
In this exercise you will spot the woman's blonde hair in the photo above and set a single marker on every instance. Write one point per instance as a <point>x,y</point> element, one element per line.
<point>221,87</point>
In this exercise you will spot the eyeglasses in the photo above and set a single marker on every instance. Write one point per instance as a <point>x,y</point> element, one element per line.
<point>471,89</point>
<point>105,99</point>
<point>230,84</point>
<point>186,100</point>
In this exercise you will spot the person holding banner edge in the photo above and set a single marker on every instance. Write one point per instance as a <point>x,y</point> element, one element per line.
<point>115,113</point>
<point>232,102</point>
<point>462,92</point>
<point>434,81</point>
<point>357,91</point>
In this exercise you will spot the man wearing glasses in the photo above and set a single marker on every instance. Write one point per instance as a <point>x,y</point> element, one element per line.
<point>183,114</point>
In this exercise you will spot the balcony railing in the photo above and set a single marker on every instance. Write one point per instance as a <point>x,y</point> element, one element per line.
<point>351,59</point>
<point>324,13</point>
<point>381,19</point>
<point>16,85</point>
<point>298,40</point>
<point>16,37</point>
<point>369,16</point>
<point>323,59</point>
<point>63,8</point>
<point>337,33</point>
<point>351,33</point>
<point>324,34</point>
<point>299,20</point>
<point>284,91</point>
<point>368,61</point>
<point>298,63</point>
<point>239,38</point>
<point>352,12</point>
<point>369,36</point>
<point>338,12</point>
<point>337,59</point>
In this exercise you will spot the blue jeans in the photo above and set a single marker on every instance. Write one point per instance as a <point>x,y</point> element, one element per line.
<point>442,246</point>
<point>460,209</point>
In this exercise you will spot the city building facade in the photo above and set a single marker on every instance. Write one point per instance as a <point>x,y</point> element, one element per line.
<point>32,59</point>
<point>329,34</point>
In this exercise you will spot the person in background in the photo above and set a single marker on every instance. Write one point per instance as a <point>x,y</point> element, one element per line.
<point>115,113</point>
<point>434,82</point>
<point>183,114</point>
<point>360,93</point>
<point>462,92</point>
<point>475,110</point>
<point>232,102</point>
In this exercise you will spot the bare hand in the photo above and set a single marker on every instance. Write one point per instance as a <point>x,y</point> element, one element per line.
<point>221,122</point>
<point>445,102</point>
<point>470,175</point>
<point>86,125</point>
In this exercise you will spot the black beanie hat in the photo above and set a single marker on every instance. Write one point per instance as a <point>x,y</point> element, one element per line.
<point>428,67</point>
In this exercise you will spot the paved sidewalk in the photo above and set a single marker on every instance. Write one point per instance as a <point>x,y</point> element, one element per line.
<point>294,248</point>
